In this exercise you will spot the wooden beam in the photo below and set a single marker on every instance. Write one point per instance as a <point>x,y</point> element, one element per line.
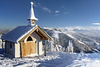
<point>44,39</point>
<point>41,35</point>
<point>38,34</point>
<point>21,49</point>
<point>48,37</point>
<point>45,48</point>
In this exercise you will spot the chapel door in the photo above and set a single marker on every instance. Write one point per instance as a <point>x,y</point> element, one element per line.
<point>29,47</point>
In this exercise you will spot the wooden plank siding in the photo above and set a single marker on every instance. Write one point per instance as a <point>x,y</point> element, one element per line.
<point>28,48</point>
<point>33,48</point>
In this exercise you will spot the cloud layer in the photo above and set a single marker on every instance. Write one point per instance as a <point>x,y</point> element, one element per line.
<point>96,23</point>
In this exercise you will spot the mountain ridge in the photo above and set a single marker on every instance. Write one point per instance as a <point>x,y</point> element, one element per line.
<point>81,43</point>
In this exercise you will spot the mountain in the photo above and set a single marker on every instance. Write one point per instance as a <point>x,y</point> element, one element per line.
<point>4,31</point>
<point>71,39</point>
<point>75,39</point>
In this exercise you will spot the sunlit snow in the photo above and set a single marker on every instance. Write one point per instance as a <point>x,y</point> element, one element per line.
<point>54,59</point>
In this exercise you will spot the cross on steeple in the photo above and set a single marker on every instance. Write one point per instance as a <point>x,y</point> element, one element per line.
<point>32,19</point>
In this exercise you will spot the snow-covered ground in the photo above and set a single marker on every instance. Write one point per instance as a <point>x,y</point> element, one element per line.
<point>53,59</point>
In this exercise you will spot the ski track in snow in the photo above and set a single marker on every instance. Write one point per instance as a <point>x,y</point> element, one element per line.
<point>54,59</point>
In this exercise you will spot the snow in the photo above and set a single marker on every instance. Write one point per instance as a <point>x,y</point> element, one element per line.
<point>26,62</point>
<point>70,36</point>
<point>74,38</point>
<point>17,33</point>
<point>82,28</point>
<point>31,55</point>
<point>58,48</point>
<point>32,15</point>
<point>53,59</point>
<point>56,34</point>
<point>70,47</point>
<point>86,60</point>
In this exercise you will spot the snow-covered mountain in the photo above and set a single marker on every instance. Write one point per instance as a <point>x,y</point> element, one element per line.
<point>4,31</point>
<point>75,39</point>
<point>72,39</point>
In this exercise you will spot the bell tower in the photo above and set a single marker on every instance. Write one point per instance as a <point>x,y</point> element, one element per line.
<point>32,19</point>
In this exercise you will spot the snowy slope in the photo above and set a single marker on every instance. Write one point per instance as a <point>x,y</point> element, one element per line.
<point>83,39</point>
<point>54,59</point>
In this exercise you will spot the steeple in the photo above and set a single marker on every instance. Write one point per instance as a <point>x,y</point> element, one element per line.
<point>32,19</point>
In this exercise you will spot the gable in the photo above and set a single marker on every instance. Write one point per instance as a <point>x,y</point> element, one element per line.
<point>42,34</point>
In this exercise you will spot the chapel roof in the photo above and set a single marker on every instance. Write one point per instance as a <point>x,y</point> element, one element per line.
<point>19,32</point>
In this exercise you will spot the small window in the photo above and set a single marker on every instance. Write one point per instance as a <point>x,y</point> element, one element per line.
<point>29,39</point>
<point>10,45</point>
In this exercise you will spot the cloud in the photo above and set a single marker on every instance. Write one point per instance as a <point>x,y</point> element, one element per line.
<point>57,11</point>
<point>46,9</point>
<point>96,23</point>
<point>39,5</point>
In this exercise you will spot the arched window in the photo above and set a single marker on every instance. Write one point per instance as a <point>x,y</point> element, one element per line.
<point>29,39</point>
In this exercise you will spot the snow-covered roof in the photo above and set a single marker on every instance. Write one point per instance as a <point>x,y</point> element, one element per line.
<point>17,33</point>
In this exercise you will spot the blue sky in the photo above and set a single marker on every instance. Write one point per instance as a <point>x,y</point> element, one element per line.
<point>51,13</point>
